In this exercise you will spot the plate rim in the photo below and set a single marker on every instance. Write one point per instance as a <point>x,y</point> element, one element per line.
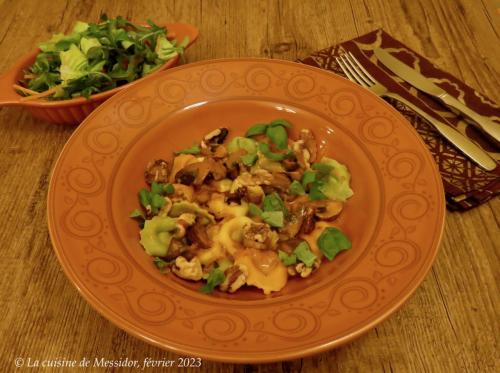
<point>215,356</point>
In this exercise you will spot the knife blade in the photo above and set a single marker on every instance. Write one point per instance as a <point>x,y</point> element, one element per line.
<point>424,84</point>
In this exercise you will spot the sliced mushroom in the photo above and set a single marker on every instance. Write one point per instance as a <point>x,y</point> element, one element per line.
<point>327,209</point>
<point>292,228</point>
<point>233,161</point>
<point>203,194</point>
<point>179,162</point>
<point>217,169</point>
<point>192,173</point>
<point>309,143</point>
<point>216,137</point>
<point>197,234</point>
<point>175,249</point>
<point>308,220</point>
<point>254,194</point>
<point>280,181</point>
<point>196,173</point>
<point>290,164</point>
<point>156,171</point>
<point>219,152</point>
<point>289,246</point>
<point>182,193</point>
<point>237,195</point>
<point>301,154</point>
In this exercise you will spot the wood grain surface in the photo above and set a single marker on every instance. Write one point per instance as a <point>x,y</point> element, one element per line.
<point>451,324</point>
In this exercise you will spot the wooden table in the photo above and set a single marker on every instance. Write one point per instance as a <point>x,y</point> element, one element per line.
<point>448,325</point>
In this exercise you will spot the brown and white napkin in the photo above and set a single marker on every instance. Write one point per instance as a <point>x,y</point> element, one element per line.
<point>466,185</point>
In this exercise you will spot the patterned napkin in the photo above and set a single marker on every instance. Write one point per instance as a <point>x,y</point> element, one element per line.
<point>466,184</point>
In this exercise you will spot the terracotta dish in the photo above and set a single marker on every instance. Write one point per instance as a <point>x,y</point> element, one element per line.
<point>75,110</point>
<point>395,218</point>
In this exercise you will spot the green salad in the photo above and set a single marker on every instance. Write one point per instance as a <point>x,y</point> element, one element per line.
<point>96,57</point>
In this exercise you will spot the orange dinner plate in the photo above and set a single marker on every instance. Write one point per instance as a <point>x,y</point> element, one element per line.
<point>395,218</point>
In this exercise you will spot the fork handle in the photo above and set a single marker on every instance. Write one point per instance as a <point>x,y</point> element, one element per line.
<point>461,142</point>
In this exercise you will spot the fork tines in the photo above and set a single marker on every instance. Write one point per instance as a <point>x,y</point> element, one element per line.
<point>354,70</point>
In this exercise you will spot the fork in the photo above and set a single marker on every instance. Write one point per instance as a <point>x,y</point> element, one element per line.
<point>358,74</point>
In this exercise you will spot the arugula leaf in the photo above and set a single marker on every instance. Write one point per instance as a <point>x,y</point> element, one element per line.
<point>273,202</point>
<point>264,149</point>
<point>195,149</point>
<point>254,210</point>
<point>156,188</point>
<point>308,177</point>
<point>315,192</point>
<point>332,241</point>
<point>280,122</point>
<point>145,197</point>
<point>257,129</point>
<point>262,128</point>
<point>304,254</point>
<point>157,202</point>
<point>323,168</point>
<point>162,189</point>
<point>136,213</point>
<point>273,218</point>
<point>287,259</point>
<point>160,264</point>
<point>168,189</point>
<point>278,135</point>
<point>215,278</point>
<point>249,159</point>
<point>296,188</point>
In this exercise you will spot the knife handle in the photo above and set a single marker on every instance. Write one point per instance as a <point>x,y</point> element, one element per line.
<point>487,125</point>
<point>461,142</point>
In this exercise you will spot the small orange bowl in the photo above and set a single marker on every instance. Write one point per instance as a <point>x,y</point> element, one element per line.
<point>73,111</point>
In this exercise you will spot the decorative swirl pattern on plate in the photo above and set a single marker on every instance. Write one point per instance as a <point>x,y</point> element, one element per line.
<point>376,129</point>
<point>301,87</point>
<point>150,307</point>
<point>404,164</point>
<point>344,102</point>
<point>351,294</point>
<point>107,270</point>
<point>134,112</point>
<point>409,206</point>
<point>171,91</point>
<point>224,325</point>
<point>397,254</point>
<point>358,294</point>
<point>258,78</point>
<point>214,81</point>
<point>295,323</point>
<point>84,181</point>
<point>81,223</point>
<point>101,141</point>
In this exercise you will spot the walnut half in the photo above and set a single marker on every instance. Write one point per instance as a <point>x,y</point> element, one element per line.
<point>188,270</point>
<point>236,277</point>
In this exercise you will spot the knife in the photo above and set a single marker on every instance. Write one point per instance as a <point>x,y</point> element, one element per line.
<point>421,82</point>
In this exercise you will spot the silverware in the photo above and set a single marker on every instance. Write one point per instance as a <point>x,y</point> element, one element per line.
<point>424,84</point>
<point>358,74</point>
